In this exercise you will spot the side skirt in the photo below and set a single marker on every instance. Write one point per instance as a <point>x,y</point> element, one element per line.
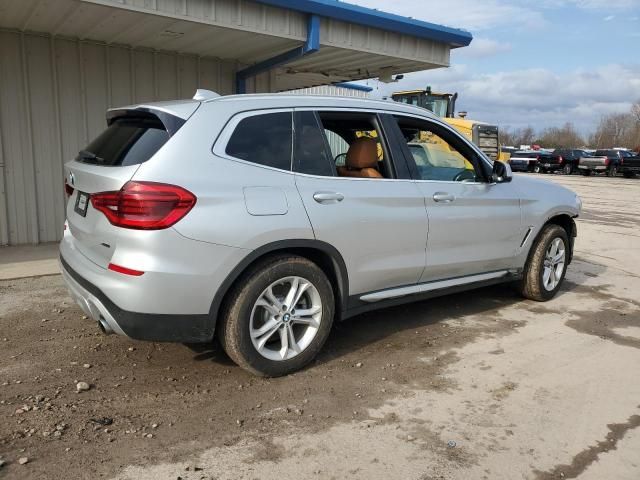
<point>356,305</point>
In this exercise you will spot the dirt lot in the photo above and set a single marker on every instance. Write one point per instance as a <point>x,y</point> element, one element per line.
<point>481,385</point>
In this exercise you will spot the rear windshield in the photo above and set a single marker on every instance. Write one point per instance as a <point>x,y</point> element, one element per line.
<point>605,153</point>
<point>127,141</point>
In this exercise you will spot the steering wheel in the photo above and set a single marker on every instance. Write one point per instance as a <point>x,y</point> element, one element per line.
<point>465,176</point>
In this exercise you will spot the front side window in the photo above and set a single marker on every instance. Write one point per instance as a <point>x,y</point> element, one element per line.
<point>265,139</point>
<point>435,152</point>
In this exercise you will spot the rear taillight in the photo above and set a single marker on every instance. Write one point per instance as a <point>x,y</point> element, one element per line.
<point>144,205</point>
<point>68,189</point>
<point>560,159</point>
<point>606,160</point>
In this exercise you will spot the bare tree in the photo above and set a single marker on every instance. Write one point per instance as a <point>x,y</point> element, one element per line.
<point>563,137</point>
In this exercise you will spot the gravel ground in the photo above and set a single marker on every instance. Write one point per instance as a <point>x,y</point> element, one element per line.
<point>475,385</point>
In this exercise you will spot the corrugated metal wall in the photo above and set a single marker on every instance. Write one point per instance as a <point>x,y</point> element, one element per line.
<point>53,97</point>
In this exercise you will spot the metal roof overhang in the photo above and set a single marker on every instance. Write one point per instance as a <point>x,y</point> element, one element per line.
<point>355,42</point>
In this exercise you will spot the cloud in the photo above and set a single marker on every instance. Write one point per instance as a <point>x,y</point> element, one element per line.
<point>482,47</point>
<point>536,96</point>
<point>609,18</point>
<point>467,14</point>
<point>593,4</point>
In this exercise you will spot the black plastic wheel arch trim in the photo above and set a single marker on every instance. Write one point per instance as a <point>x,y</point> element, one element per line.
<point>285,246</point>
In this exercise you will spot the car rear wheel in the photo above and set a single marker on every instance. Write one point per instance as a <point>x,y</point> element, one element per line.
<point>547,264</point>
<point>567,169</point>
<point>278,316</point>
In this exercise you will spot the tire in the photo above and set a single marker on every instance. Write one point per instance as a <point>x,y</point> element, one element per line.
<point>567,169</point>
<point>533,284</point>
<point>613,171</point>
<point>245,313</point>
<point>586,173</point>
<point>537,169</point>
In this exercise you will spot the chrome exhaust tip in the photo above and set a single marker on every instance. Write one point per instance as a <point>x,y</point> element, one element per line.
<point>104,327</point>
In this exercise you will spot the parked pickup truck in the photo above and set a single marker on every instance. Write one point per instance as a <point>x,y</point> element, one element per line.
<point>603,161</point>
<point>536,161</point>
<point>523,161</point>
<point>571,158</point>
<point>549,162</point>
<point>630,164</point>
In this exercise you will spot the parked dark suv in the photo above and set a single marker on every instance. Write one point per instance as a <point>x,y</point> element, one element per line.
<point>570,159</point>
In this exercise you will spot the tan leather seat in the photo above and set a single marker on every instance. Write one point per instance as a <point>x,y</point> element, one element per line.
<point>362,159</point>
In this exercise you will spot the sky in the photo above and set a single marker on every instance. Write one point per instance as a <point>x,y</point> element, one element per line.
<point>540,63</point>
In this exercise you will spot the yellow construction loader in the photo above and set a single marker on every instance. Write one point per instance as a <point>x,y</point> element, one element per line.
<point>443,105</point>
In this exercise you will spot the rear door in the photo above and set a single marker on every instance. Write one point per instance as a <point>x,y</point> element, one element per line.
<point>106,164</point>
<point>474,226</point>
<point>379,225</point>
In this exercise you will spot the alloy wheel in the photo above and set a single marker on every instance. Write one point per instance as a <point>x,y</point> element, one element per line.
<point>554,262</point>
<point>285,319</point>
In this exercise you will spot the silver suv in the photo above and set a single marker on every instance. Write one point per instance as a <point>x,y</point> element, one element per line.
<point>264,218</point>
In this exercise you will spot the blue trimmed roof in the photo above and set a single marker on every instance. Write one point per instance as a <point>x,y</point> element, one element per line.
<point>369,17</point>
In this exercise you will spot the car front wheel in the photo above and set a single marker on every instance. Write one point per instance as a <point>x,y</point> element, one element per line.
<point>547,264</point>
<point>278,316</point>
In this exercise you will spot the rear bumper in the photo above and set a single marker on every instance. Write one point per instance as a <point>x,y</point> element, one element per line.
<point>522,166</point>
<point>551,167</point>
<point>140,326</point>
<point>598,168</point>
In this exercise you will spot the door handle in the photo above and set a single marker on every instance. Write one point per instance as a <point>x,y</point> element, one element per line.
<point>328,197</point>
<point>443,197</point>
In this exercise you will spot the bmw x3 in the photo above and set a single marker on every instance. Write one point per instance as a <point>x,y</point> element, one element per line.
<point>263,219</point>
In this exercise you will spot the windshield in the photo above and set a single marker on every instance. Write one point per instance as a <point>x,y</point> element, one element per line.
<point>604,153</point>
<point>437,105</point>
<point>434,103</point>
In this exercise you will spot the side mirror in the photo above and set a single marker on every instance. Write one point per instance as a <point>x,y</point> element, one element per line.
<point>501,172</point>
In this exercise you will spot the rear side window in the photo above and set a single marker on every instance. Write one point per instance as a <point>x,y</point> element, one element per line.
<point>264,139</point>
<point>311,149</point>
<point>126,141</point>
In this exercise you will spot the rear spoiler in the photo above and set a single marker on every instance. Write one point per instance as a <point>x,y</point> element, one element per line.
<point>171,123</point>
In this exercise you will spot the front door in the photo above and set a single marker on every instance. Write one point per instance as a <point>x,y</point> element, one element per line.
<point>376,220</point>
<point>474,225</point>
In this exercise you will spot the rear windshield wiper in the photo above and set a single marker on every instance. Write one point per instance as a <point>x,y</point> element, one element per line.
<point>87,155</point>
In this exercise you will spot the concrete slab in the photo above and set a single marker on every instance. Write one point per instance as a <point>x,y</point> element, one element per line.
<point>29,261</point>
